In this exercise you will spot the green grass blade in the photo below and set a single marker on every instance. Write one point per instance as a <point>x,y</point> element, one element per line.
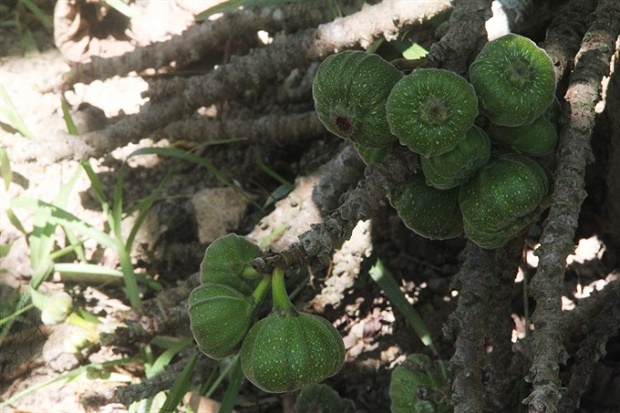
<point>41,16</point>
<point>28,43</point>
<point>166,357</point>
<point>144,206</point>
<point>232,391</point>
<point>75,244</point>
<point>40,241</point>
<point>181,387</point>
<point>16,222</point>
<point>129,277</point>
<point>388,284</point>
<point>86,269</point>
<point>11,116</point>
<point>117,205</point>
<point>60,216</point>
<point>97,187</point>
<point>5,168</point>
<point>232,363</point>
<point>266,169</point>
<point>181,154</point>
<point>66,115</point>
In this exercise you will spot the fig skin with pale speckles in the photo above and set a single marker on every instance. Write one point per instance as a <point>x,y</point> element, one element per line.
<point>225,261</point>
<point>288,350</point>
<point>503,200</point>
<point>451,169</point>
<point>536,139</point>
<point>430,110</point>
<point>350,90</point>
<point>514,79</point>
<point>427,211</point>
<point>220,317</point>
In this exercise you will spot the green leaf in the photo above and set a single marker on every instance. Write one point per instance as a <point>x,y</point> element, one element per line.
<point>180,387</point>
<point>16,222</point>
<point>5,168</point>
<point>66,114</point>
<point>388,284</point>
<point>60,216</point>
<point>181,154</point>
<point>9,114</point>
<point>232,390</point>
<point>40,15</point>
<point>29,44</point>
<point>96,186</point>
<point>166,357</point>
<point>415,51</point>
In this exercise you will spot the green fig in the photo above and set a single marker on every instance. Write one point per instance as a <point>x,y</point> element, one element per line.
<point>454,168</point>
<point>350,90</point>
<point>228,261</point>
<point>289,350</point>
<point>430,110</point>
<point>428,211</point>
<point>503,200</point>
<point>419,385</point>
<point>514,80</point>
<point>220,317</point>
<point>322,398</point>
<point>536,139</point>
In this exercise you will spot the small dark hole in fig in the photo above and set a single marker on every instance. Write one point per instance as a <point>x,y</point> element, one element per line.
<point>344,124</point>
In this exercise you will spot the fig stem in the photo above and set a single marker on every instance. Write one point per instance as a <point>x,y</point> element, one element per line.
<point>281,301</point>
<point>249,273</point>
<point>261,290</point>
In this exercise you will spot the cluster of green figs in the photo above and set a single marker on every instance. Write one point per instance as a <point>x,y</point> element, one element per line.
<point>480,181</point>
<point>282,352</point>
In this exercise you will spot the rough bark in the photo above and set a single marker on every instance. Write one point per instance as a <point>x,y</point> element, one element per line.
<point>592,64</point>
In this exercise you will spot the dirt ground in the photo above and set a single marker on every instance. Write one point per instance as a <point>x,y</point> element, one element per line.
<point>195,207</point>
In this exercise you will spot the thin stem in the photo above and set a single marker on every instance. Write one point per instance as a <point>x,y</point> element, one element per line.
<point>278,289</point>
<point>261,290</point>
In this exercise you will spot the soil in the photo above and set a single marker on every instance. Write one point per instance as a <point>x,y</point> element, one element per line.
<point>195,207</point>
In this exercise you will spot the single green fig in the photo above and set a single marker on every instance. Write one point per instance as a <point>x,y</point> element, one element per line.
<point>288,350</point>
<point>454,168</point>
<point>503,200</point>
<point>350,90</point>
<point>228,260</point>
<point>536,139</point>
<point>514,80</point>
<point>322,398</point>
<point>430,110</point>
<point>220,317</point>
<point>428,211</point>
<point>419,385</point>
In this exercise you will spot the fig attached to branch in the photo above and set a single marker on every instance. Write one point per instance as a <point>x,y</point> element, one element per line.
<point>428,211</point>
<point>535,139</point>
<point>228,261</point>
<point>455,167</point>
<point>430,110</point>
<point>350,90</point>
<point>514,79</point>
<point>503,200</point>
<point>288,350</point>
